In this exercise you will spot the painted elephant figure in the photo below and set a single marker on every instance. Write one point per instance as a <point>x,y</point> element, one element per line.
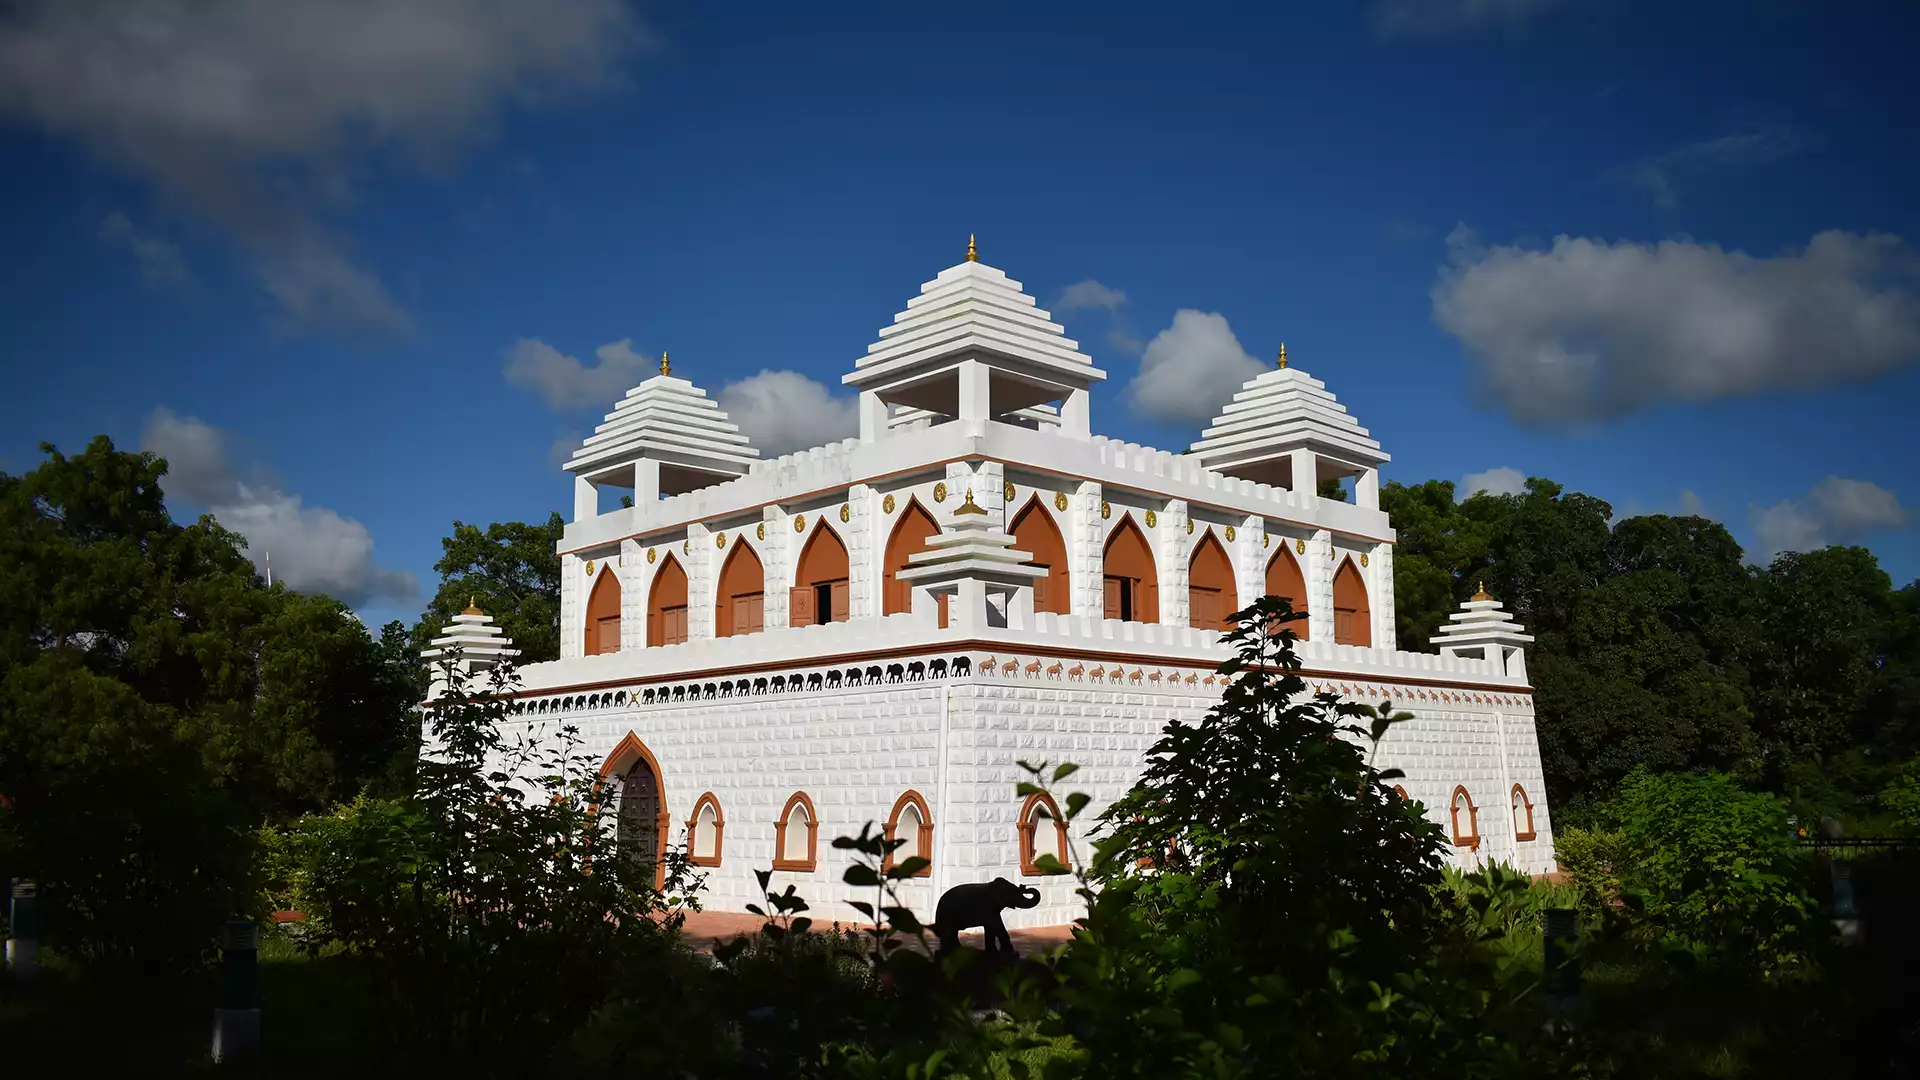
<point>979,904</point>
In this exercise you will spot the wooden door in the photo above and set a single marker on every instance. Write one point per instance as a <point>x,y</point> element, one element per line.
<point>608,631</point>
<point>800,606</point>
<point>1114,586</point>
<point>748,613</point>
<point>842,600</point>
<point>673,627</point>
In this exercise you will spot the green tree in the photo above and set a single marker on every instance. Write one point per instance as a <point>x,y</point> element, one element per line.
<point>512,570</point>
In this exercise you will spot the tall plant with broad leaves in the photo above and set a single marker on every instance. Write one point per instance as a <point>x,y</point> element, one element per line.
<point>491,902</point>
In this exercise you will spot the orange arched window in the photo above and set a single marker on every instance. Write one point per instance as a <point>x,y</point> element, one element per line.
<point>667,605</point>
<point>1042,830</point>
<point>1466,820</point>
<point>1284,579</point>
<point>706,830</point>
<point>1035,533</point>
<point>796,836</point>
<point>1211,596</point>
<point>821,590</point>
<point>1352,616</point>
<point>603,614</point>
<point>910,821</point>
<point>1522,814</point>
<point>1132,586</point>
<point>740,605</point>
<point>1400,791</point>
<point>910,534</point>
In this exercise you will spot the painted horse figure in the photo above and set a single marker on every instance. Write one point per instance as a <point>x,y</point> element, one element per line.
<point>979,903</point>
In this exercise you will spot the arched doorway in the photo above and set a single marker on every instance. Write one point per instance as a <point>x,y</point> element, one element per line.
<point>1132,586</point>
<point>1352,617</point>
<point>1211,596</point>
<point>1034,532</point>
<point>603,614</point>
<point>741,603</point>
<point>910,535</point>
<point>1285,580</point>
<point>640,815</point>
<point>820,591</point>
<point>667,605</point>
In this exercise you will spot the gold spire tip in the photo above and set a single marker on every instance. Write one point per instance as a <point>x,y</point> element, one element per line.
<point>973,253</point>
<point>1482,594</point>
<point>473,606</point>
<point>1283,356</point>
<point>970,507</point>
<point>666,368</point>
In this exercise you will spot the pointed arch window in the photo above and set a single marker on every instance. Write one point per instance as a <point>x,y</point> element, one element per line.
<point>667,605</point>
<point>1522,814</point>
<point>1466,820</point>
<point>1034,532</point>
<point>631,774</point>
<point>910,535</point>
<point>1132,587</point>
<point>1401,792</point>
<point>1285,580</point>
<point>821,590</point>
<point>603,614</point>
<point>796,836</point>
<point>1211,596</point>
<point>911,822</point>
<point>740,604</point>
<point>706,831</point>
<point>1042,831</point>
<point>1352,615</point>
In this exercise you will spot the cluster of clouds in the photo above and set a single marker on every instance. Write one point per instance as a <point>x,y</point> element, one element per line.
<point>256,115</point>
<point>1836,511</point>
<point>318,549</point>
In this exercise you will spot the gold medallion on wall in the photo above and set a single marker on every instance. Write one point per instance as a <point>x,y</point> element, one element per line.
<point>1266,540</point>
<point>589,567</point>
<point>1229,534</point>
<point>652,554</point>
<point>1106,509</point>
<point>1300,547</point>
<point>720,540</point>
<point>760,531</point>
<point>1009,491</point>
<point>1060,501</point>
<point>940,492</point>
<point>846,513</point>
<point>886,505</point>
<point>799,523</point>
<point>1363,558</point>
<point>1152,520</point>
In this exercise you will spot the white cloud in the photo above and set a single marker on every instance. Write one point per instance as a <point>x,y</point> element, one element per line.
<point>1836,511</point>
<point>566,383</point>
<point>1190,369</point>
<point>1088,295</point>
<point>1691,504</point>
<point>1590,330</point>
<point>784,411</point>
<point>1415,18</point>
<point>1499,480</point>
<point>317,549</point>
<point>255,113</point>
<point>159,259</point>
<point>1660,176</point>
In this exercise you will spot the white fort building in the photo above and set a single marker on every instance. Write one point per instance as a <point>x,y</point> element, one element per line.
<point>775,652</point>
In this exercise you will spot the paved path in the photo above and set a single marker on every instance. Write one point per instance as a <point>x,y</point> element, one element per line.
<point>705,929</point>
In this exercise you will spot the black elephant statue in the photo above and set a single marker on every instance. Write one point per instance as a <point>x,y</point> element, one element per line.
<point>979,903</point>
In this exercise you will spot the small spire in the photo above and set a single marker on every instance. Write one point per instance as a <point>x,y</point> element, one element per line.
<point>473,606</point>
<point>1283,356</point>
<point>969,507</point>
<point>973,253</point>
<point>1481,594</point>
<point>665,367</point>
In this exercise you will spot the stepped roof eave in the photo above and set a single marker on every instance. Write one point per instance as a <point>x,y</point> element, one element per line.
<point>1281,429</point>
<point>688,455</point>
<point>1074,374</point>
<point>1015,309</point>
<point>992,569</point>
<point>1240,455</point>
<point>728,438</point>
<point>704,413</point>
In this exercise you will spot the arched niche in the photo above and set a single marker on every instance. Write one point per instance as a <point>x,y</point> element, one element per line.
<point>796,836</point>
<point>821,590</point>
<point>1284,579</point>
<point>1042,832</point>
<point>1132,586</point>
<point>1034,532</point>
<point>1352,616</point>
<point>909,536</point>
<point>740,604</point>
<point>640,815</point>
<point>912,822</point>
<point>603,614</point>
<point>667,605</point>
<point>706,831</point>
<point>1211,596</point>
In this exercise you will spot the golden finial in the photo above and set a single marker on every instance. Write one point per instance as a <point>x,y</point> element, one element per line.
<point>473,606</point>
<point>973,253</point>
<point>665,367</point>
<point>1283,356</point>
<point>1481,594</point>
<point>969,507</point>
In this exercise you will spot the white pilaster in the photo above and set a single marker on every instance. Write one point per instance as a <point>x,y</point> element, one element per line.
<point>1317,568</point>
<point>1076,415</point>
<point>1086,540</point>
<point>777,555</point>
<point>1380,598</point>
<point>976,401</point>
<point>1306,474</point>
<point>1171,544</point>
<point>1250,560</point>
<point>586,499</point>
<point>873,416</point>
<point>702,564</point>
<point>1366,490</point>
<point>865,550</point>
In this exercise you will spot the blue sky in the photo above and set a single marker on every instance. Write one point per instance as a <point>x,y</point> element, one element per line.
<point>359,276</point>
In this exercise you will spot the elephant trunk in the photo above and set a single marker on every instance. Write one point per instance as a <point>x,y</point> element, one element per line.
<point>1029,897</point>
